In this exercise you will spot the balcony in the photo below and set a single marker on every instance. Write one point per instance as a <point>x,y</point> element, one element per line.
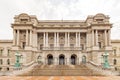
<point>61,48</point>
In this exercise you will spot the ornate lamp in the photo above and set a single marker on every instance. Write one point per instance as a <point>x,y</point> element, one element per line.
<point>105,60</point>
<point>18,56</point>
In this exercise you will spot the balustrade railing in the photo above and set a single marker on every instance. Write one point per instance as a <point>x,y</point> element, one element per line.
<point>101,70</point>
<point>61,48</point>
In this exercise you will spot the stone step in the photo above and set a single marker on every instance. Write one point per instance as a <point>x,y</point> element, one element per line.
<point>60,70</point>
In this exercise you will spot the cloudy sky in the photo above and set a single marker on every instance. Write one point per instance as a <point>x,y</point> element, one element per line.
<point>57,10</point>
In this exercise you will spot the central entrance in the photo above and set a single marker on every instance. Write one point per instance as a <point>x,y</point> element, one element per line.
<point>61,59</point>
<point>50,59</point>
<point>73,59</point>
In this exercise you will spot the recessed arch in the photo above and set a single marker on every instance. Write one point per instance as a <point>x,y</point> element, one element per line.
<point>73,59</point>
<point>61,59</point>
<point>50,59</point>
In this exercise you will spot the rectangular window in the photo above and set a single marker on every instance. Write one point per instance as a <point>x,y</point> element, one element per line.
<point>8,61</point>
<point>8,54</point>
<point>99,43</point>
<point>1,52</point>
<point>24,20</point>
<point>1,62</point>
<point>114,52</point>
<point>23,45</point>
<point>82,46</point>
<point>41,46</point>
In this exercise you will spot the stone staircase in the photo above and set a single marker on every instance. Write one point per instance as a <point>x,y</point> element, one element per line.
<point>60,70</point>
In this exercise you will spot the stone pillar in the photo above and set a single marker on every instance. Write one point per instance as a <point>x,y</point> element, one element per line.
<point>68,60</point>
<point>87,41</point>
<point>14,37</point>
<point>105,31</point>
<point>79,42</point>
<point>57,39</point>
<point>65,39</point>
<point>93,38</point>
<point>96,37</point>
<point>54,39</point>
<point>30,37</point>
<point>17,37</point>
<point>26,37</point>
<point>109,39</point>
<point>44,39</point>
<point>55,60</point>
<point>68,39</point>
<point>76,39</point>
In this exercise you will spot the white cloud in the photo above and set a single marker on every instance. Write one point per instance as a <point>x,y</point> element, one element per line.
<point>58,9</point>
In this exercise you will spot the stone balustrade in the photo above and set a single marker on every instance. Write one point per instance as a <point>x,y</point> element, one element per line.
<point>99,69</point>
<point>61,48</point>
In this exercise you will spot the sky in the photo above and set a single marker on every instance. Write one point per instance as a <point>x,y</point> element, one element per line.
<point>58,10</point>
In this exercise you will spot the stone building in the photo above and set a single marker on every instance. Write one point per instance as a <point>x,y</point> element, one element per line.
<point>59,42</point>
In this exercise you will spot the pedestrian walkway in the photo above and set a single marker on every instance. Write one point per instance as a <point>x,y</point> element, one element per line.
<point>60,78</point>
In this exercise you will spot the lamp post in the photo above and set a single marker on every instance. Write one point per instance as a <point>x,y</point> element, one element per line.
<point>105,60</point>
<point>39,58</point>
<point>17,63</point>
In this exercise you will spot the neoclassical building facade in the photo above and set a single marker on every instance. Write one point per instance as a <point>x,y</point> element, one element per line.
<point>58,42</point>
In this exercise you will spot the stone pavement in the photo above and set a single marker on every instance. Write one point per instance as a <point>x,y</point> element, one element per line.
<point>59,78</point>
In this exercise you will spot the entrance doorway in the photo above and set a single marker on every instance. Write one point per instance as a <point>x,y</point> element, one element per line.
<point>61,59</point>
<point>50,59</point>
<point>73,59</point>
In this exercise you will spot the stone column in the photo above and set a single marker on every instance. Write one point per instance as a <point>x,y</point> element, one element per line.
<point>109,39</point>
<point>17,37</point>
<point>44,39</point>
<point>105,37</point>
<point>76,39</point>
<point>87,41</point>
<point>79,39</point>
<point>68,39</point>
<point>14,37</point>
<point>26,37</point>
<point>57,39</point>
<point>30,37</point>
<point>55,61</point>
<point>65,39</point>
<point>96,37</point>
<point>93,38</point>
<point>54,39</point>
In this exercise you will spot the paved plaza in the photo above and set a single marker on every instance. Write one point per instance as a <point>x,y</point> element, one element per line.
<point>60,78</point>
